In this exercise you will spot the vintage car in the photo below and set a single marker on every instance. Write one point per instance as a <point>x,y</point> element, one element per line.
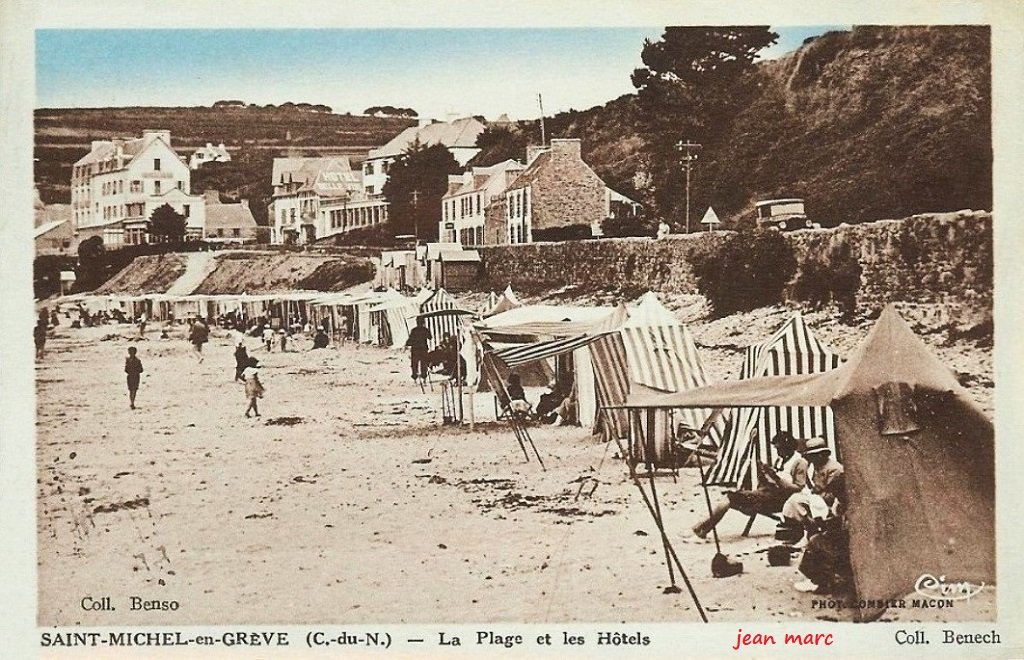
<point>783,214</point>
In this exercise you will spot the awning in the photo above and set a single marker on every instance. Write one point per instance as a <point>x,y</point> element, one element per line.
<point>545,349</point>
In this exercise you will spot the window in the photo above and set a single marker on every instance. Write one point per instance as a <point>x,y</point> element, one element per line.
<point>156,164</point>
<point>236,232</point>
<point>185,210</point>
<point>120,186</point>
<point>478,204</point>
<point>181,185</point>
<point>220,232</point>
<point>135,187</point>
<point>384,167</point>
<point>156,187</point>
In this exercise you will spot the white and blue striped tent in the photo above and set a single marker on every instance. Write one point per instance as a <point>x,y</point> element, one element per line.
<point>792,350</point>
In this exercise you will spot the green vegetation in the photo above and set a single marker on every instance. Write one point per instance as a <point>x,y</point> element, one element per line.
<point>167,225</point>
<point>416,183</point>
<point>878,122</point>
<point>749,270</point>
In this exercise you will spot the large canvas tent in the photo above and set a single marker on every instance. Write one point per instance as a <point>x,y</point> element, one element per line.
<point>392,315</point>
<point>791,350</point>
<point>919,458</point>
<point>441,316</point>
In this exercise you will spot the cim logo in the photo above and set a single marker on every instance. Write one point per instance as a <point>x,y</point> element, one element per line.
<point>930,586</point>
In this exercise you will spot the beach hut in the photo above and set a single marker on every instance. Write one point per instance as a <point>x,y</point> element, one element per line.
<point>792,350</point>
<point>918,453</point>
<point>393,315</point>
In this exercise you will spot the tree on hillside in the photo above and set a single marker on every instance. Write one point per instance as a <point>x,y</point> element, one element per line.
<point>167,225</point>
<point>92,264</point>
<point>693,83</point>
<point>416,183</point>
<point>498,144</point>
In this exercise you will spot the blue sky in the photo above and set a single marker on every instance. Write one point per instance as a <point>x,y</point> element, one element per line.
<point>435,71</point>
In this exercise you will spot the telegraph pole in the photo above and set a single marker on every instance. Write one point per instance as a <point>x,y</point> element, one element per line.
<point>689,155</point>
<point>415,194</point>
<point>543,137</point>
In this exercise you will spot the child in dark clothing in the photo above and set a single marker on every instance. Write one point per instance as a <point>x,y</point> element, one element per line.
<point>133,367</point>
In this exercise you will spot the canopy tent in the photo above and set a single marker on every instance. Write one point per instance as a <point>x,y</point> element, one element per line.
<point>791,350</point>
<point>653,349</point>
<point>546,321</point>
<point>919,458</point>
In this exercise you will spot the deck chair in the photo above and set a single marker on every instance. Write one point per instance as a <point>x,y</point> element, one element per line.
<point>774,517</point>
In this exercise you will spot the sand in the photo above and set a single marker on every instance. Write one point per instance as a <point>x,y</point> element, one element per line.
<point>349,502</point>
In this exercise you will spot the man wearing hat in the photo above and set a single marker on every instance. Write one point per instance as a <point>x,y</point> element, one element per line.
<point>788,476</point>
<point>825,480</point>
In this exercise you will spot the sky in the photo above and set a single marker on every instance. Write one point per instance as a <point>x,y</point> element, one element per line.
<point>437,72</point>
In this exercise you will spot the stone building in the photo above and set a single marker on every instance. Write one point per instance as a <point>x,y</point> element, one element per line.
<point>557,190</point>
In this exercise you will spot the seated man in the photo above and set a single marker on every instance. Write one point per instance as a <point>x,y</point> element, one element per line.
<point>826,559</point>
<point>808,508</point>
<point>549,402</point>
<point>517,402</point>
<point>788,477</point>
<point>321,340</point>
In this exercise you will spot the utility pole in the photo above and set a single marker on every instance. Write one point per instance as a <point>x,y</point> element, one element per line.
<point>689,155</point>
<point>415,194</point>
<point>543,136</point>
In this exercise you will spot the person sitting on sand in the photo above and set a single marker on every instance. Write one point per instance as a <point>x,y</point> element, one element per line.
<point>253,387</point>
<point>788,476</point>
<point>321,340</point>
<point>133,367</point>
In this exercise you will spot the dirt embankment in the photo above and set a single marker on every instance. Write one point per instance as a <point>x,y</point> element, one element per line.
<point>146,274</point>
<point>240,272</point>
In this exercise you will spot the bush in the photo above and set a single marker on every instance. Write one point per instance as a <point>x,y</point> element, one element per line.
<point>567,233</point>
<point>832,275</point>
<point>622,226</point>
<point>750,270</point>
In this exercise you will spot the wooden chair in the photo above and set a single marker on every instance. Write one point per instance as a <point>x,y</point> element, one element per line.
<point>774,517</point>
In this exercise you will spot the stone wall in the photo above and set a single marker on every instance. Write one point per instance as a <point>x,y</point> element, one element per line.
<point>924,258</point>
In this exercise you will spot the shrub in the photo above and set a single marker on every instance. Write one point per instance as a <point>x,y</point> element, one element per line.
<point>750,270</point>
<point>832,275</point>
<point>567,233</point>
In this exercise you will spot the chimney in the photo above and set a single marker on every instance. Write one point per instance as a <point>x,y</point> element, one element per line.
<point>211,197</point>
<point>567,146</point>
<point>244,202</point>
<point>535,150</point>
<point>209,145</point>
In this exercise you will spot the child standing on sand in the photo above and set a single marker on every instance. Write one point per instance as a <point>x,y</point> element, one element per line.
<point>133,367</point>
<point>253,387</point>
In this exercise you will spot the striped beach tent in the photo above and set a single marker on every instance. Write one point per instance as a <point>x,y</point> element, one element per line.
<point>653,350</point>
<point>792,350</point>
<point>391,317</point>
<point>440,315</point>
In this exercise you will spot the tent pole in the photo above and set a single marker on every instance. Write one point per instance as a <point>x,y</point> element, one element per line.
<point>487,363</point>
<point>650,508</point>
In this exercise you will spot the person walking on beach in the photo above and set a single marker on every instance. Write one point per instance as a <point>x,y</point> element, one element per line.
<point>268,337</point>
<point>241,360</point>
<point>133,367</point>
<point>418,342</point>
<point>39,335</point>
<point>253,387</point>
<point>142,325</point>
<point>197,336</point>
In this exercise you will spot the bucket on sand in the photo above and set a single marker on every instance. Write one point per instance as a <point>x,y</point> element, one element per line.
<point>722,566</point>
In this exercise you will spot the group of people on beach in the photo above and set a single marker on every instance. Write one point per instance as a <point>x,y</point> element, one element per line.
<point>805,488</point>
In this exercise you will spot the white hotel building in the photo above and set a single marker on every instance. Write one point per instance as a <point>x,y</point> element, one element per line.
<point>116,187</point>
<point>464,207</point>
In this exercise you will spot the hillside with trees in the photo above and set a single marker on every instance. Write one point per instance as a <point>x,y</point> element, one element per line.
<point>877,122</point>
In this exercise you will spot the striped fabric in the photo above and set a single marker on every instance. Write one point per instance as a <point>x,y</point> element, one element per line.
<point>518,355</point>
<point>440,324</point>
<point>611,371</point>
<point>792,350</point>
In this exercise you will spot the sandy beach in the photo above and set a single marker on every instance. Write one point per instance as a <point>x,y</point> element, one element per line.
<point>349,502</point>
